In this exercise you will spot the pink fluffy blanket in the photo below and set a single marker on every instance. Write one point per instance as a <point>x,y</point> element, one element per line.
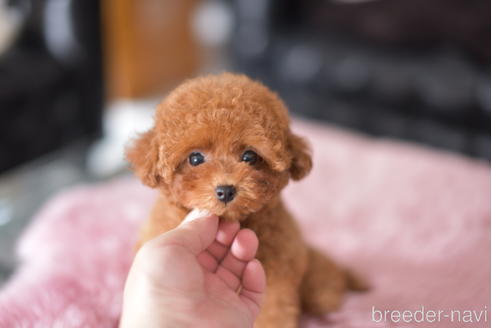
<point>414,222</point>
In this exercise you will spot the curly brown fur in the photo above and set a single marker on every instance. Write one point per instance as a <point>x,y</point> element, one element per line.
<point>222,117</point>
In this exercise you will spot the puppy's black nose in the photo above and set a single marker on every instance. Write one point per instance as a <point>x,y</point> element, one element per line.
<point>225,193</point>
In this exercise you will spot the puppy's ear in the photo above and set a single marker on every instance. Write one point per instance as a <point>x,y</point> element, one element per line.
<point>143,155</point>
<point>301,158</point>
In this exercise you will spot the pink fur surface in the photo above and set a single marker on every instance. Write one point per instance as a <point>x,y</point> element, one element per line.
<point>414,222</point>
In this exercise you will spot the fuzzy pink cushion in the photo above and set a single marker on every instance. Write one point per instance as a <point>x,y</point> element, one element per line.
<point>414,222</point>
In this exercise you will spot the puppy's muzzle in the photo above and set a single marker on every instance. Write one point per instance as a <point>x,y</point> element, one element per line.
<point>225,193</point>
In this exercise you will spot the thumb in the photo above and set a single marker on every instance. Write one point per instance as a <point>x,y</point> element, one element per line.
<point>195,233</point>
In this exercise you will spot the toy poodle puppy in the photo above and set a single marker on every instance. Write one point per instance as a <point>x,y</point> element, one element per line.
<point>223,143</point>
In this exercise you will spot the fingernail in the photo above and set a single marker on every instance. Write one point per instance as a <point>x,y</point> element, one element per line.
<point>196,214</point>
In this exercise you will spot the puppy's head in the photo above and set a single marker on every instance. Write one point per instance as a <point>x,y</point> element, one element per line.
<point>220,143</point>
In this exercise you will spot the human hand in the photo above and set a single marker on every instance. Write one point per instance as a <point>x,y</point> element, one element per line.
<point>201,274</point>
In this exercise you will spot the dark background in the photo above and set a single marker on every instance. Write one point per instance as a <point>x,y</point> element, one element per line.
<point>417,70</point>
<point>50,98</point>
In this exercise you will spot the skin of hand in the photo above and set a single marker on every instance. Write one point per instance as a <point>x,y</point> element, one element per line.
<point>201,274</point>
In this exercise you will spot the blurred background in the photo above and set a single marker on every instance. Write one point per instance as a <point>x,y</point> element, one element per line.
<point>79,78</point>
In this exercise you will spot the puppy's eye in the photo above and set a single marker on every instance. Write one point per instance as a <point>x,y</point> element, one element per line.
<point>196,158</point>
<point>250,157</point>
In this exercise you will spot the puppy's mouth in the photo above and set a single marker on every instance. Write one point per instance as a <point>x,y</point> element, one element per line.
<point>227,212</point>
<point>230,211</point>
